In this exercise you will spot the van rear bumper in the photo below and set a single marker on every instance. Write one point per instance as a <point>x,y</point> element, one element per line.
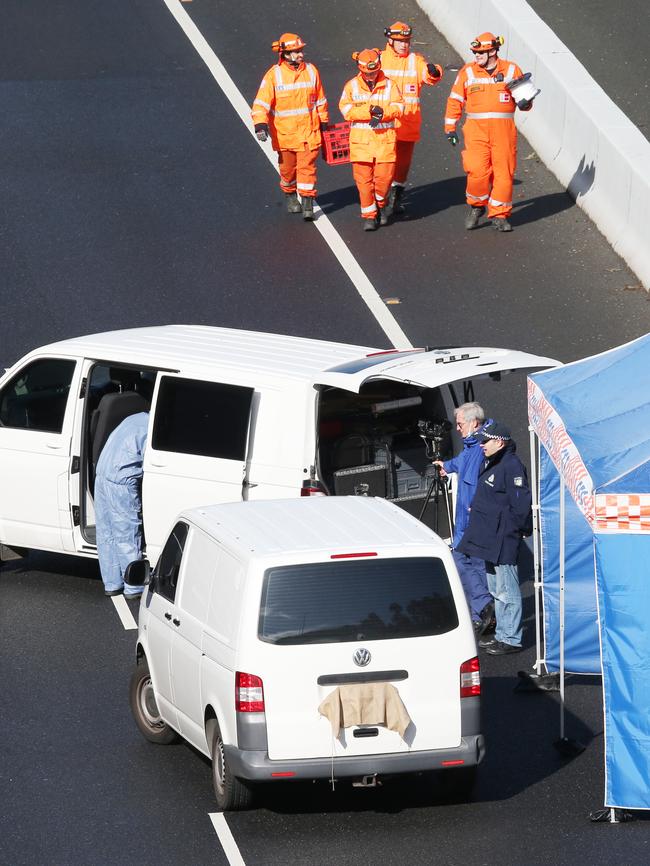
<point>257,766</point>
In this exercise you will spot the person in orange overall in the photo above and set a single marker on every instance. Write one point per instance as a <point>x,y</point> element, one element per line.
<point>490,154</point>
<point>372,103</point>
<point>291,106</point>
<point>410,71</point>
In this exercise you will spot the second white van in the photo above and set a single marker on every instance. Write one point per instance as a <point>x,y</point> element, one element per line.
<point>323,638</point>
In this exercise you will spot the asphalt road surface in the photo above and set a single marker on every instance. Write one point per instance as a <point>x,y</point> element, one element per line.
<point>131,193</point>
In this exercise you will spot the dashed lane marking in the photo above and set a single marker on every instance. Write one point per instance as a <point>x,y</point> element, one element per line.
<point>123,612</point>
<point>333,239</point>
<point>227,839</point>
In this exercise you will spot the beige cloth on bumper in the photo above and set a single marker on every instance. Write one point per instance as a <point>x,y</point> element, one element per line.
<point>365,704</point>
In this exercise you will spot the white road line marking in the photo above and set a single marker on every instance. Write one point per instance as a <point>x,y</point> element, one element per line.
<point>123,612</point>
<point>227,839</point>
<point>333,239</point>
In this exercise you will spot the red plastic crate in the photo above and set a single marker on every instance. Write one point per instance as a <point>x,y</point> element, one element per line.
<point>336,143</point>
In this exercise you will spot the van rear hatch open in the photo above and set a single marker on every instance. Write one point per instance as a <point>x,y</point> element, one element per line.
<point>429,368</point>
<point>313,620</point>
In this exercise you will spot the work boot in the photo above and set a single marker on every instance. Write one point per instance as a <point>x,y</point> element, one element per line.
<point>473,216</point>
<point>293,205</point>
<point>370,225</point>
<point>384,216</point>
<point>395,200</point>
<point>308,208</point>
<point>501,224</point>
<point>485,618</point>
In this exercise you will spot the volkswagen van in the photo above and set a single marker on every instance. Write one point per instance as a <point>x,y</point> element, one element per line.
<point>234,415</point>
<point>259,612</point>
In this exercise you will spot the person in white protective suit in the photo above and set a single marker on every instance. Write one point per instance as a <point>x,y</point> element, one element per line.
<point>118,503</point>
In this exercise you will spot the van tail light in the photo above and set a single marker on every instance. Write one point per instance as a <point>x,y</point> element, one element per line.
<point>312,488</point>
<point>249,693</point>
<point>470,678</point>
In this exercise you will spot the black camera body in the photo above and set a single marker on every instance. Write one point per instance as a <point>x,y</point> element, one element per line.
<point>434,433</point>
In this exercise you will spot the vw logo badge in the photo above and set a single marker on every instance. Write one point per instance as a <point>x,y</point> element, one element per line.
<point>362,657</point>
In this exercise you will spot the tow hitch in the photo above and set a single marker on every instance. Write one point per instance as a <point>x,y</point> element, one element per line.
<point>367,782</point>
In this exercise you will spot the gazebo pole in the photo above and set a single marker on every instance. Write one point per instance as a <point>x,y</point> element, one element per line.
<point>537,575</point>
<point>568,748</point>
<point>562,518</point>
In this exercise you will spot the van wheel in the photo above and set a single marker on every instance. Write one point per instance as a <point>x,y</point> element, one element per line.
<point>232,794</point>
<point>458,785</point>
<point>145,710</point>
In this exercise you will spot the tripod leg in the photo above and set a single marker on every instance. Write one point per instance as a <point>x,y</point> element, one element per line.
<point>428,497</point>
<point>450,519</point>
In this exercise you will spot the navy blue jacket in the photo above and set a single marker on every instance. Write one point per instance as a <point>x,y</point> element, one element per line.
<point>501,513</point>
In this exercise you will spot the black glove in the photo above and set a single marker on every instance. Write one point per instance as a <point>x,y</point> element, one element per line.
<point>525,104</point>
<point>323,126</point>
<point>452,138</point>
<point>376,114</point>
<point>262,131</point>
<point>433,70</point>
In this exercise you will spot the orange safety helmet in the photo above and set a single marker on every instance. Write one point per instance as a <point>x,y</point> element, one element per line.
<point>486,42</point>
<point>288,42</point>
<point>400,31</point>
<point>368,60</point>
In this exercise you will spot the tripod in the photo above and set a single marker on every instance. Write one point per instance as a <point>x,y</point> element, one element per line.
<point>438,488</point>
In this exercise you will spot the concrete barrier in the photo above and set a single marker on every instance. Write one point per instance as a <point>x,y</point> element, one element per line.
<point>590,145</point>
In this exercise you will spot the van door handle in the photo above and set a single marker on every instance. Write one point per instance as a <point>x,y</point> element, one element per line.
<point>158,465</point>
<point>176,621</point>
<point>168,615</point>
<point>53,447</point>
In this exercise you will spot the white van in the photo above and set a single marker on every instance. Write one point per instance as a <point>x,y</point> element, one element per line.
<point>258,611</point>
<point>234,415</point>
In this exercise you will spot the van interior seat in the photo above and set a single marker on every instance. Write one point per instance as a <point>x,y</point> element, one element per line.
<point>112,409</point>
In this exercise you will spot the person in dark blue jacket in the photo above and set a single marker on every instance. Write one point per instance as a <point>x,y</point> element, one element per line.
<point>470,418</point>
<point>500,517</point>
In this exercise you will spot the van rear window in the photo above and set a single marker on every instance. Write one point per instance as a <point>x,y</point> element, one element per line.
<point>379,599</point>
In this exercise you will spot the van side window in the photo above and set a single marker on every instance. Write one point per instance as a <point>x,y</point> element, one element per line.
<point>169,563</point>
<point>36,397</point>
<point>204,418</point>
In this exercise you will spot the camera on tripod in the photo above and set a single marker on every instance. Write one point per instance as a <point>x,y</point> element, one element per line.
<point>433,434</point>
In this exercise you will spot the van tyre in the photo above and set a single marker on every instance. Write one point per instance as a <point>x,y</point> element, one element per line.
<point>231,793</point>
<point>145,710</point>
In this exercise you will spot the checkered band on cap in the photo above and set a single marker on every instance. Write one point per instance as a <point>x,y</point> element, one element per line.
<point>493,431</point>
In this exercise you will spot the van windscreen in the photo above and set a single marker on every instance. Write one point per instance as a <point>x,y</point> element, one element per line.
<point>379,599</point>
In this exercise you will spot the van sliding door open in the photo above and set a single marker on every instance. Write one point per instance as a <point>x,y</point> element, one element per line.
<point>196,453</point>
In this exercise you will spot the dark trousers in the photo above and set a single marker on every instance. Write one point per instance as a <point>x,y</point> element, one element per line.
<point>472,575</point>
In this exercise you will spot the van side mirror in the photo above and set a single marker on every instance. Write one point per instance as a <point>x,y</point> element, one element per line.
<point>138,573</point>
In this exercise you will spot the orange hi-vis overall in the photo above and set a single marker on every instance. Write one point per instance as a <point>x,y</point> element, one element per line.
<point>490,154</point>
<point>410,73</point>
<point>292,102</point>
<point>372,148</point>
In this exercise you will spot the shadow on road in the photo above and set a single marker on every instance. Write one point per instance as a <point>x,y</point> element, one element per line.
<point>531,210</point>
<point>432,198</point>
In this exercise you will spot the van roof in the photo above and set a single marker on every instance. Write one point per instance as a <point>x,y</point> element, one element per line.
<point>194,347</point>
<point>201,349</point>
<point>336,524</point>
